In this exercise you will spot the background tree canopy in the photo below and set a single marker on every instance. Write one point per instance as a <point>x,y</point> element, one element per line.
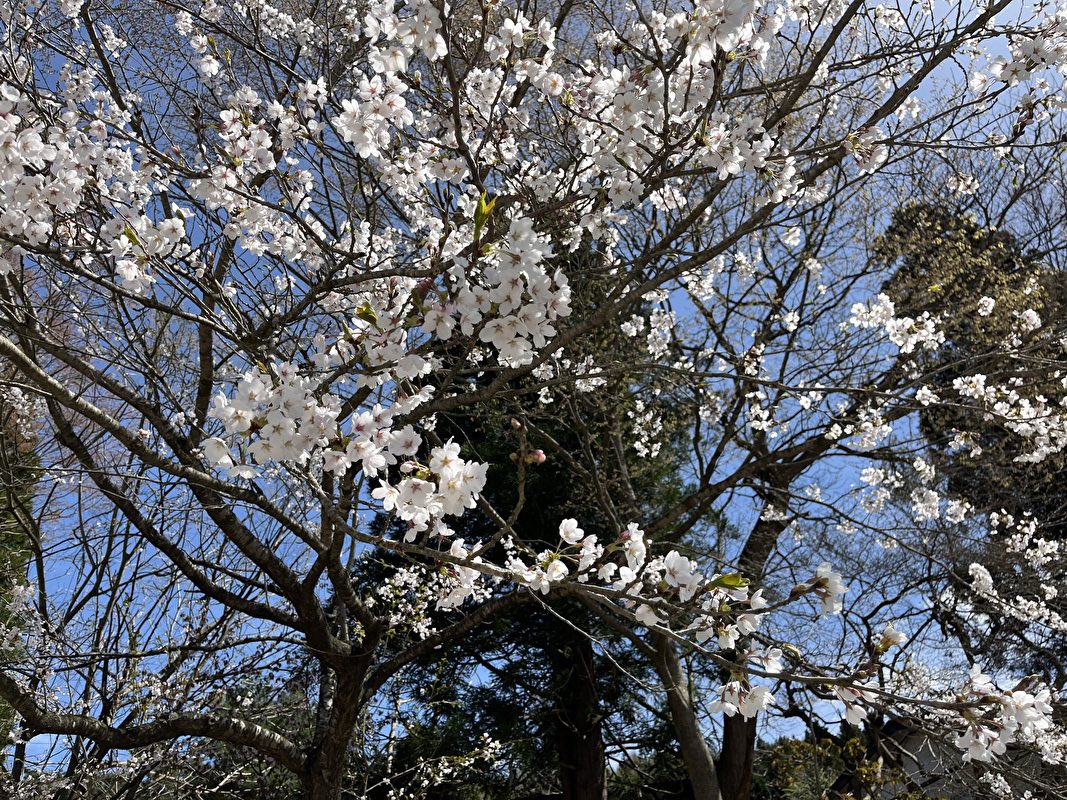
<point>532,400</point>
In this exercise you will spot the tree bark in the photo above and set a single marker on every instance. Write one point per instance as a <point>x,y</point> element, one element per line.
<point>735,760</point>
<point>323,775</point>
<point>579,737</point>
<point>739,734</point>
<point>695,753</point>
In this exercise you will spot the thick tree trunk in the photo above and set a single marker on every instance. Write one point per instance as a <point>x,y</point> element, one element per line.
<point>695,753</point>
<point>579,737</point>
<point>735,761</point>
<point>325,771</point>
<point>739,734</point>
<point>324,779</point>
<point>324,783</point>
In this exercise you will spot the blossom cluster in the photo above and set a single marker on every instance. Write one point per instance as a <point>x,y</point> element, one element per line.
<point>399,220</point>
<point>1017,715</point>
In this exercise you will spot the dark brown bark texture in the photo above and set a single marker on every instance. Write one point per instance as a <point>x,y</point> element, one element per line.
<point>579,737</point>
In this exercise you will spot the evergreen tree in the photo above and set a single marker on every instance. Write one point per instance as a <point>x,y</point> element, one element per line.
<point>1002,312</point>
<point>535,680</point>
<point>18,477</point>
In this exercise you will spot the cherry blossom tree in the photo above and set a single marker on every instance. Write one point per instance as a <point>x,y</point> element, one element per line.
<point>261,262</point>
